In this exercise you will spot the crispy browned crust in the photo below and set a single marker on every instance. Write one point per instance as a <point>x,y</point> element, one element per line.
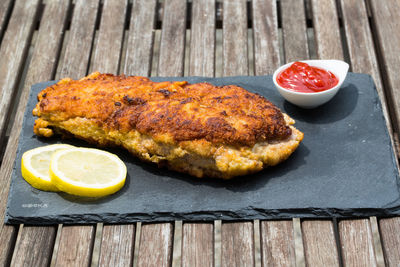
<point>178,111</point>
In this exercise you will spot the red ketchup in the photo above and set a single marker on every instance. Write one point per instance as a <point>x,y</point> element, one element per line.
<point>301,77</point>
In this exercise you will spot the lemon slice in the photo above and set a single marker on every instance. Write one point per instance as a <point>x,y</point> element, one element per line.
<point>87,172</point>
<point>35,166</point>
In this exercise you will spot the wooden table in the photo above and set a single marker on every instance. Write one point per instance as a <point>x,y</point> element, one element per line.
<point>44,40</point>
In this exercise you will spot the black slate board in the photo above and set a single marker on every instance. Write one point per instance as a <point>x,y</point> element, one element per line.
<point>344,167</point>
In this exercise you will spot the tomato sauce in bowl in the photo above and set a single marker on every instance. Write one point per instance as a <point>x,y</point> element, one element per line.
<point>301,77</point>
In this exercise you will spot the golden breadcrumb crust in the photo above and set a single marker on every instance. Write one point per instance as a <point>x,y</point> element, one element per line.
<point>201,129</point>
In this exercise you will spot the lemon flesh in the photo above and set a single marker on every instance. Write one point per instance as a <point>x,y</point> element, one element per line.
<point>87,172</point>
<point>35,166</point>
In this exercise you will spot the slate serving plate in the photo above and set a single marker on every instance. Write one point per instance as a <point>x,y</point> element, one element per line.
<point>344,167</point>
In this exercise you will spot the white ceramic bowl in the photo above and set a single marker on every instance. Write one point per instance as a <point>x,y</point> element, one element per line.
<point>312,100</point>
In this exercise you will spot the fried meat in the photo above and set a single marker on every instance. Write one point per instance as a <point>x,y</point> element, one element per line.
<point>200,129</point>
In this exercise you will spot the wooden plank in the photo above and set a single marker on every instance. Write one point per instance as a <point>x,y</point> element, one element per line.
<point>237,244</point>
<point>363,59</point>
<point>34,246</point>
<point>294,30</point>
<point>235,58</point>
<point>36,243</point>
<point>356,243</point>
<point>140,38</point>
<point>202,39</point>
<point>155,245</point>
<point>13,51</point>
<point>198,244</point>
<point>117,245</point>
<point>277,242</point>
<point>318,236</point>
<point>319,243</point>
<point>326,29</point>
<point>198,238</point>
<point>391,240</point>
<point>386,30</point>
<point>172,48</point>
<point>76,242</point>
<point>329,46</point>
<point>107,53</point>
<point>80,39</point>
<point>75,246</point>
<point>266,41</point>
<point>237,239</point>
<point>5,9</point>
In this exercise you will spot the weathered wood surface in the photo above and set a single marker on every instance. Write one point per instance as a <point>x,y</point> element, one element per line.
<point>117,245</point>
<point>75,244</point>
<point>391,240</point>
<point>80,39</point>
<point>294,28</point>
<point>35,244</point>
<point>155,245</point>
<point>13,51</point>
<point>326,29</point>
<point>107,52</point>
<point>5,9</point>
<point>319,243</point>
<point>140,38</point>
<point>172,48</point>
<point>237,244</point>
<point>357,243</point>
<point>277,240</point>
<point>234,43</point>
<point>198,244</point>
<point>202,39</point>
<point>265,34</point>
<point>386,31</point>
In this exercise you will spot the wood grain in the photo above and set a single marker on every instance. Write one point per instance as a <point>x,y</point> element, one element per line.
<point>155,245</point>
<point>235,57</point>
<point>294,30</point>
<point>363,59</point>
<point>237,244</point>
<point>117,245</point>
<point>391,240</point>
<point>386,30</point>
<point>140,38</point>
<point>265,34</point>
<point>198,244</point>
<point>172,48</point>
<point>75,245</point>
<point>36,243</point>
<point>277,242</point>
<point>319,243</point>
<point>13,51</point>
<point>329,46</point>
<point>5,9</point>
<point>14,47</point>
<point>326,29</point>
<point>356,243</point>
<point>34,246</point>
<point>198,238</point>
<point>109,43</point>
<point>237,239</point>
<point>80,39</point>
<point>202,39</point>
<point>318,236</point>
